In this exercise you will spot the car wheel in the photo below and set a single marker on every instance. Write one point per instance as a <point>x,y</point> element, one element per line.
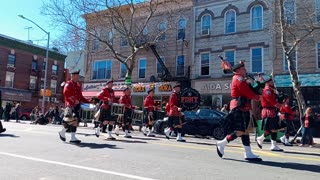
<point>218,133</point>
<point>24,117</point>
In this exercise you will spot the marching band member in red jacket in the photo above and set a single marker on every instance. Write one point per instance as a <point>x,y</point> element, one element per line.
<point>270,119</point>
<point>287,115</point>
<point>126,101</point>
<point>149,107</point>
<point>240,106</point>
<point>174,114</point>
<point>107,97</point>
<point>73,98</point>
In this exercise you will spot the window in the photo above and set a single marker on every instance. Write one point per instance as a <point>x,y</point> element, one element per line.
<point>205,64</point>
<point>33,82</point>
<point>318,51</point>
<point>95,44</point>
<point>102,69</point>
<point>230,19</point>
<point>256,18</point>
<point>317,10</point>
<point>142,68</point>
<point>205,24</point>
<point>34,65</point>
<point>110,37</point>
<point>180,65</point>
<point>289,11</point>
<point>160,71</point>
<point>11,60</point>
<point>44,66</point>
<point>182,25</point>
<point>42,83</point>
<point>9,79</point>
<point>293,56</point>
<point>124,41</point>
<point>230,57</point>
<point>256,59</point>
<point>54,69</point>
<point>162,28</point>
<point>123,70</point>
<point>53,86</point>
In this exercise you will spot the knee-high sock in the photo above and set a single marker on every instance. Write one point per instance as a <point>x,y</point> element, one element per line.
<point>110,127</point>
<point>245,140</point>
<point>274,136</point>
<point>231,137</point>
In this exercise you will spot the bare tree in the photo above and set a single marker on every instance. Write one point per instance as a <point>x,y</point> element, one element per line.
<point>295,23</point>
<point>107,21</point>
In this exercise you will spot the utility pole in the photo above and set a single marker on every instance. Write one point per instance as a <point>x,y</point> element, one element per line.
<point>28,28</point>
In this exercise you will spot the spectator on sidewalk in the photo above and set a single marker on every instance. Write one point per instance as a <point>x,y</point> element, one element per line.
<point>7,111</point>
<point>1,111</point>
<point>17,112</point>
<point>308,121</point>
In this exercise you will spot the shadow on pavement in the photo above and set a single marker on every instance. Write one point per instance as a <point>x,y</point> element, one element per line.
<point>96,146</point>
<point>287,165</point>
<point>86,134</point>
<point>126,141</point>
<point>302,153</point>
<point>146,138</point>
<point>9,135</point>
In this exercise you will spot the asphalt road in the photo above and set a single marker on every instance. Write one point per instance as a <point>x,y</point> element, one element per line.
<point>34,152</point>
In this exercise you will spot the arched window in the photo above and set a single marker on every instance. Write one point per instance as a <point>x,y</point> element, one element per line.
<point>162,28</point>
<point>182,25</point>
<point>230,21</point>
<point>205,24</point>
<point>256,17</point>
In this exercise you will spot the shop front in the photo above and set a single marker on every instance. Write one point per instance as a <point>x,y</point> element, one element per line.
<point>90,90</point>
<point>162,93</point>
<point>15,95</point>
<point>213,93</point>
<point>310,87</point>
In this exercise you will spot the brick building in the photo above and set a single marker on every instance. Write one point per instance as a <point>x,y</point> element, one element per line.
<point>236,30</point>
<point>22,72</point>
<point>174,48</point>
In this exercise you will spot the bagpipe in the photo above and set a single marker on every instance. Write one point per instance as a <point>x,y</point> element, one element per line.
<point>255,85</point>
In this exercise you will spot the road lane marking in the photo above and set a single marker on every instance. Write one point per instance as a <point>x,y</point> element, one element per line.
<point>239,150</point>
<point>75,166</point>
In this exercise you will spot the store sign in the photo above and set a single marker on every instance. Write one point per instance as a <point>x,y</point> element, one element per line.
<point>212,86</point>
<point>16,95</point>
<point>165,88</point>
<point>190,99</point>
<point>139,89</point>
<point>99,86</point>
<point>305,80</point>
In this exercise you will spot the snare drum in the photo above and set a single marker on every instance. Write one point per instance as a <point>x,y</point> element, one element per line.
<point>137,117</point>
<point>117,109</point>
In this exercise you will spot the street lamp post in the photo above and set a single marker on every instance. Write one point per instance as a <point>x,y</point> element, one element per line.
<point>46,61</point>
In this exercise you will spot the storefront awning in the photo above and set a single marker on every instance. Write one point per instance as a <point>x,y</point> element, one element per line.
<point>305,80</point>
<point>88,94</point>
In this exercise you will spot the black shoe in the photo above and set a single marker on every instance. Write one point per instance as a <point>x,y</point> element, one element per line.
<point>257,159</point>
<point>75,141</point>
<point>3,130</point>
<point>181,140</point>
<point>128,136</point>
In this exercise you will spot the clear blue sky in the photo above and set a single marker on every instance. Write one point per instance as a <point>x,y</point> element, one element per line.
<point>14,26</point>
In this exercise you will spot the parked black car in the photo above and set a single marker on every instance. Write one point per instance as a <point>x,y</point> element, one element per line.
<point>203,122</point>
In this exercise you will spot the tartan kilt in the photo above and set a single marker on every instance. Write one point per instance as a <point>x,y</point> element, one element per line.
<point>146,116</point>
<point>271,123</point>
<point>289,125</point>
<point>173,121</point>
<point>240,120</point>
<point>105,115</point>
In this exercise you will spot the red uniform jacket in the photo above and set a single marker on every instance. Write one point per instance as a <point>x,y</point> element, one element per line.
<point>149,103</point>
<point>268,103</point>
<point>106,95</point>
<point>286,113</point>
<point>72,92</point>
<point>126,100</point>
<point>240,88</point>
<point>173,105</point>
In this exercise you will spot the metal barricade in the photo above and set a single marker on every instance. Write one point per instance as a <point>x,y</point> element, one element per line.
<point>137,117</point>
